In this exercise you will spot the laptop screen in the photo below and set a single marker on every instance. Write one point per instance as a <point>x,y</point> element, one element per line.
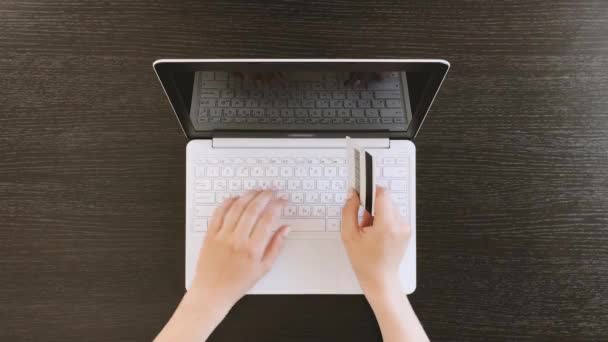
<point>300,99</point>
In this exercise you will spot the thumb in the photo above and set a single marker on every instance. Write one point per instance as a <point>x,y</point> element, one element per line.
<point>274,246</point>
<point>350,219</point>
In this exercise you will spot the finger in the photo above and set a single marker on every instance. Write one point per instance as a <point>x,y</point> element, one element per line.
<point>231,218</point>
<point>218,216</point>
<point>350,219</point>
<point>383,207</point>
<point>268,221</point>
<point>367,219</point>
<point>252,213</point>
<point>274,247</point>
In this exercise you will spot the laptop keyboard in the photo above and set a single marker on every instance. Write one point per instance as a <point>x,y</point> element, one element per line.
<point>314,187</point>
<point>229,102</point>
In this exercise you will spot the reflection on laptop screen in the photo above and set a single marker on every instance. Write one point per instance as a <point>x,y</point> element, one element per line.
<point>230,100</point>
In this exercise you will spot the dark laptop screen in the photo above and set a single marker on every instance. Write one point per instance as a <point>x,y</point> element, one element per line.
<point>273,99</point>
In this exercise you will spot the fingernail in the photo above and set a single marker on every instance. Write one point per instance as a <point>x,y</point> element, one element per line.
<point>350,194</point>
<point>286,231</point>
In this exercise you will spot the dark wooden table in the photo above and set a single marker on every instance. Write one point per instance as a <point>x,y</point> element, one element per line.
<point>512,165</point>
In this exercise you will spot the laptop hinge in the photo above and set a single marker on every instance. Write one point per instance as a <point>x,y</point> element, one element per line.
<point>297,142</point>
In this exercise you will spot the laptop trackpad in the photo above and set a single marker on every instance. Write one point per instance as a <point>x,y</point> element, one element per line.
<point>310,266</point>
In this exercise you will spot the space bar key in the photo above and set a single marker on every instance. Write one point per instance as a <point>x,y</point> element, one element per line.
<point>303,225</point>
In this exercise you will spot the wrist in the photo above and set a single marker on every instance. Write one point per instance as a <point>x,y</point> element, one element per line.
<point>385,289</point>
<point>206,305</point>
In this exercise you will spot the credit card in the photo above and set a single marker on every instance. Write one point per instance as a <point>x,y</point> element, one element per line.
<point>361,176</point>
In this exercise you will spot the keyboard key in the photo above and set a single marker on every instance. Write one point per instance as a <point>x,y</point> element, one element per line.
<point>333,225</point>
<point>352,95</point>
<point>227,171</point>
<point>315,171</point>
<point>404,211</point>
<point>349,104</point>
<point>286,171</point>
<point>227,93</point>
<point>344,113</point>
<point>205,197</point>
<point>329,113</point>
<point>203,210</point>
<point>318,210</point>
<point>286,112</point>
<point>367,95</point>
<point>312,197</point>
<point>398,185</point>
<point>210,93</point>
<point>387,95</point>
<point>214,84</point>
<point>315,113</point>
<point>372,113</point>
<point>382,182</point>
<point>301,113</point>
<point>392,113</point>
<point>242,171</point>
<point>294,184</point>
<point>207,75</point>
<point>208,102</point>
<point>220,197</point>
<point>338,95</point>
<point>219,185</point>
<point>301,171</point>
<point>304,224</point>
<point>272,171</point>
<point>384,85</point>
<point>393,103</point>
<point>202,185</point>
<point>297,197</point>
<point>338,185</point>
<point>378,104</point>
<point>324,95</point>
<point>399,197</point>
<point>394,172</point>
<point>199,225</point>
<point>213,171</point>
<point>358,113</point>
<point>308,184</point>
<point>364,104</point>
<point>290,211</point>
<point>265,183</point>
<point>388,161</point>
<point>249,184</point>
<point>334,211</point>
<point>330,171</point>
<point>278,184</point>
<point>234,184</point>
<point>257,171</point>
<point>323,185</point>
<point>221,75</point>
<point>327,197</point>
<point>322,103</point>
<point>304,211</point>
<point>342,171</point>
<point>340,197</point>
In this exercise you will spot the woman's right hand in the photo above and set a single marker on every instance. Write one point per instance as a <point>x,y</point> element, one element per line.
<point>375,249</point>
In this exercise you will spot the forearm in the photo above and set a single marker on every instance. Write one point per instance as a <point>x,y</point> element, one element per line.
<point>194,320</point>
<point>395,315</point>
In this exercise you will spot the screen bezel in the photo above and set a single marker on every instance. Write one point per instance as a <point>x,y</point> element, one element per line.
<point>166,68</point>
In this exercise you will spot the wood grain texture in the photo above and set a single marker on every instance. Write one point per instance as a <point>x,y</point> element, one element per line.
<point>512,165</point>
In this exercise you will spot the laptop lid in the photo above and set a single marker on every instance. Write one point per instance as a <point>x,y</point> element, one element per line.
<point>400,89</point>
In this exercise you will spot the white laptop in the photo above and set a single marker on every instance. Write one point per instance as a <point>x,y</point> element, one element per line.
<point>282,123</point>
